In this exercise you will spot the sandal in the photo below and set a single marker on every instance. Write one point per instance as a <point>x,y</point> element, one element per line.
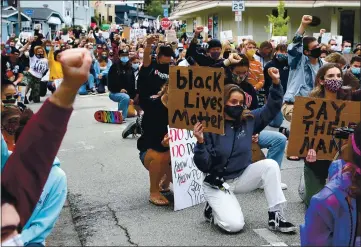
<point>284,131</point>
<point>160,201</point>
<point>293,158</point>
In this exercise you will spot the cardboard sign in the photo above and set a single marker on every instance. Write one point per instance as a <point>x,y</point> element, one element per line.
<point>171,36</point>
<point>136,34</point>
<point>187,179</point>
<point>226,35</point>
<point>196,95</point>
<point>126,33</point>
<point>312,123</point>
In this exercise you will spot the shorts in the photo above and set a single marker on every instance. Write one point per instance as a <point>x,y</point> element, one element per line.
<point>142,155</point>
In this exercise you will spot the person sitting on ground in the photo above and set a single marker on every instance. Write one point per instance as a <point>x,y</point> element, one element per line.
<point>121,83</point>
<point>226,161</point>
<point>101,69</point>
<point>36,149</point>
<point>352,76</point>
<point>10,120</point>
<point>56,72</point>
<point>333,216</point>
<point>264,53</point>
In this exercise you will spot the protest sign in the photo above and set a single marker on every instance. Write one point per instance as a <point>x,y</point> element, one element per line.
<point>135,34</point>
<point>226,35</point>
<point>313,121</point>
<point>196,95</point>
<point>171,36</point>
<point>279,39</point>
<point>241,38</point>
<point>126,33</point>
<point>187,179</point>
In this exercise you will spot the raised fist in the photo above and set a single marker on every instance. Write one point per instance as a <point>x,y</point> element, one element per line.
<point>76,66</point>
<point>274,74</point>
<point>199,29</point>
<point>306,20</point>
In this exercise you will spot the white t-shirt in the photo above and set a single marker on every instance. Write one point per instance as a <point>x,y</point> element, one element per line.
<point>38,66</point>
<point>184,63</point>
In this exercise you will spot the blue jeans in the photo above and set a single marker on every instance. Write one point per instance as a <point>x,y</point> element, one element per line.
<point>275,142</point>
<point>123,102</point>
<point>277,121</point>
<point>89,82</point>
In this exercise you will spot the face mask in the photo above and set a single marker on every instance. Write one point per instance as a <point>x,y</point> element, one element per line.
<point>281,57</point>
<point>226,54</point>
<point>135,66</point>
<point>26,54</point>
<point>141,55</point>
<point>40,56</point>
<point>124,59</point>
<point>333,85</point>
<point>347,50</point>
<point>104,57</point>
<point>334,47</point>
<point>234,112</point>
<point>215,55</point>
<point>238,79</point>
<point>14,241</point>
<point>315,53</point>
<point>324,61</point>
<point>356,71</point>
<point>11,127</point>
<point>250,53</point>
<point>8,51</point>
<point>47,48</point>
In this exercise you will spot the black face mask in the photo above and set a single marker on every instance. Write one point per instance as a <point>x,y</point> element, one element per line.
<point>40,56</point>
<point>234,112</point>
<point>226,54</point>
<point>315,53</point>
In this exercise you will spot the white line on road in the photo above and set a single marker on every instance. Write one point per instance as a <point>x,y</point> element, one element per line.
<point>82,146</point>
<point>112,131</point>
<point>270,237</point>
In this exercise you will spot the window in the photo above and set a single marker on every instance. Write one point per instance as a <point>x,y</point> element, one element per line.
<point>110,18</point>
<point>86,3</point>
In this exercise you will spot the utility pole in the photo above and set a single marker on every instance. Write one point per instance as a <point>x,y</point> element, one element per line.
<point>19,15</point>
<point>73,13</point>
<point>137,13</point>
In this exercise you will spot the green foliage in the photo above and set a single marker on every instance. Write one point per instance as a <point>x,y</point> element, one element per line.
<point>154,8</point>
<point>279,23</point>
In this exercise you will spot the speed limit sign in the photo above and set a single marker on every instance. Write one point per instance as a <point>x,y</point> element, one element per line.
<point>238,5</point>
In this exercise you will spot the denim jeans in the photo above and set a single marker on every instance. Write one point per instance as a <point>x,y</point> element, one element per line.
<point>277,121</point>
<point>123,102</point>
<point>89,82</point>
<point>275,142</point>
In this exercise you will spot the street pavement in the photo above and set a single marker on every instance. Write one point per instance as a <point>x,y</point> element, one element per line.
<point>108,190</point>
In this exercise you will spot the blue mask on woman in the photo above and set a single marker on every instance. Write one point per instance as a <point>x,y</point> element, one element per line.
<point>356,71</point>
<point>135,66</point>
<point>281,57</point>
<point>124,59</point>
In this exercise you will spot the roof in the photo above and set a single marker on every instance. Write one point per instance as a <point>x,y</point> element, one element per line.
<point>43,13</point>
<point>7,12</point>
<point>187,7</point>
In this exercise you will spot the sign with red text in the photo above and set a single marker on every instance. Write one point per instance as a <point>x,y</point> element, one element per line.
<point>187,179</point>
<point>165,23</point>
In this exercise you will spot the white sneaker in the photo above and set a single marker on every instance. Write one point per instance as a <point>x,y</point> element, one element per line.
<point>283,186</point>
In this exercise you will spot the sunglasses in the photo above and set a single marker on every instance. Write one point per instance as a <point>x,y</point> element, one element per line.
<point>14,96</point>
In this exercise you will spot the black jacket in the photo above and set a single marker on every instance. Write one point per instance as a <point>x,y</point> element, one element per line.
<point>121,77</point>
<point>283,69</point>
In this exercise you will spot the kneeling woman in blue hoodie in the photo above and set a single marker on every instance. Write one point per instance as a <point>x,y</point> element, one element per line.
<point>51,201</point>
<point>226,161</point>
<point>334,215</point>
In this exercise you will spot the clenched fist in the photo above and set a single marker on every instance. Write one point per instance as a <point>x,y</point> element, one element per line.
<point>306,20</point>
<point>199,30</point>
<point>76,66</point>
<point>274,74</point>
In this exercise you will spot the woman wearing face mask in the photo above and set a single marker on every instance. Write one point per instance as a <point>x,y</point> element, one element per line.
<point>182,56</point>
<point>140,53</point>
<point>226,161</point>
<point>121,83</point>
<point>101,68</point>
<point>255,77</point>
<point>327,85</point>
<point>10,121</point>
<point>333,218</point>
<point>226,50</point>
<point>56,71</point>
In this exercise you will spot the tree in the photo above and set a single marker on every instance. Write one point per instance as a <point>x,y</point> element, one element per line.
<point>279,22</point>
<point>154,8</point>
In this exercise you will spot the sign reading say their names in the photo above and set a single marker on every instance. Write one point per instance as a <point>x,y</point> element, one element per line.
<point>196,95</point>
<point>187,179</point>
<point>313,121</point>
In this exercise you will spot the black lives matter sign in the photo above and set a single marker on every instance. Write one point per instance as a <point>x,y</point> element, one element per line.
<point>196,94</point>
<point>313,121</point>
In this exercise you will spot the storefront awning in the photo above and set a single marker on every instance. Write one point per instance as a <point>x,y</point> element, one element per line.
<point>54,20</point>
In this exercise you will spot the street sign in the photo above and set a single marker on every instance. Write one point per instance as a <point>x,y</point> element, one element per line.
<point>28,12</point>
<point>165,12</point>
<point>238,16</point>
<point>165,6</point>
<point>238,5</point>
<point>165,23</point>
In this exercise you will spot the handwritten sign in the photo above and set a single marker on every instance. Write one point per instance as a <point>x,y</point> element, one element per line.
<point>313,121</point>
<point>196,95</point>
<point>171,36</point>
<point>136,34</point>
<point>126,33</point>
<point>226,35</point>
<point>187,179</point>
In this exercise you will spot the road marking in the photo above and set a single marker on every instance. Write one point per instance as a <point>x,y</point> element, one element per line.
<point>82,146</point>
<point>270,237</point>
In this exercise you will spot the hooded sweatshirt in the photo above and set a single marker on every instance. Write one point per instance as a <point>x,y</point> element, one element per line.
<point>330,220</point>
<point>231,154</point>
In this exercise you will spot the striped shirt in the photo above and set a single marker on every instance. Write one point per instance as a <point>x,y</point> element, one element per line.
<point>255,76</point>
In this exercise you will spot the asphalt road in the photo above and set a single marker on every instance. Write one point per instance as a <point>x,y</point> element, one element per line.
<point>108,190</point>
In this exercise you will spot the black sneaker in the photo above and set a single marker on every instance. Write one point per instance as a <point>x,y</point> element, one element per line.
<point>130,130</point>
<point>26,102</point>
<point>276,222</point>
<point>208,213</point>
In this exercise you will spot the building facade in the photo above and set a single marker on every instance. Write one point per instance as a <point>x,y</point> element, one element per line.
<point>127,15</point>
<point>105,12</point>
<point>338,17</point>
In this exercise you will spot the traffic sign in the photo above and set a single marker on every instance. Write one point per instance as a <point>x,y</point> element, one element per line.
<point>165,23</point>
<point>238,5</point>
<point>238,16</point>
<point>165,12</point>
<point>28,12</point>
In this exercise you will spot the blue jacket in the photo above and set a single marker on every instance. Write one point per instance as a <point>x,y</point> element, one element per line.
<point>300,70</point>
<point>235,147</point>
<point>329,220</point>
<point>97,68</point>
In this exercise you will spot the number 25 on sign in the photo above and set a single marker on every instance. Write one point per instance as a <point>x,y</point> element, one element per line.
<point>238,5</point>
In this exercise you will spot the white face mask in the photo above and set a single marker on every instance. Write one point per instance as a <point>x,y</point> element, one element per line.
<point>141,55</point>
<point>14,241</point>
<point>26,54</point>
<point>334,47</point>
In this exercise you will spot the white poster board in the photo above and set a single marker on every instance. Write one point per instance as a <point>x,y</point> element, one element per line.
<point>279,39</point>
<point>136,34</point>
<point>171,36</point>
<point>226,35</point>
<point>187,179</point>
<point>338,41</point>
<point>240,38</point>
